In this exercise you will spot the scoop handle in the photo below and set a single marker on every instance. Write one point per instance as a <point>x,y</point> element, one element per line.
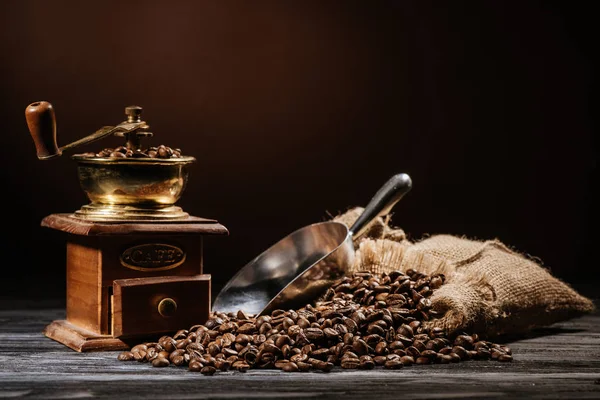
<point>41,122</point>
<point>383,202</point>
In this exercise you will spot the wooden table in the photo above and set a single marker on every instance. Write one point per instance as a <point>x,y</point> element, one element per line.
<point>561,361</point>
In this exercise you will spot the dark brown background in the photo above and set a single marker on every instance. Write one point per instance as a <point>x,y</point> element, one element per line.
<point>296,109</point>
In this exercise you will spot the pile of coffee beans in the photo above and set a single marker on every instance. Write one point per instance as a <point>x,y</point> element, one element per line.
<point>363,321</point>
<point>161,151</point>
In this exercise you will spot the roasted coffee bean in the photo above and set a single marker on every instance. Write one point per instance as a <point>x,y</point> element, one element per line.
<point>366,362</point>
<point>483,354</point>
<point>208,370</point>
<point>444,358</point>
<point>161,151</point>
<point>407,342</point>
<point>139,347</point>
<point>431,345</point>
<point>269,348</point>
<point>140,355</point>
<point>279,363</point>
<point>363,321</point>
<point>321,354</point>
<point>350,363</point>
<point>435,282</point>
<point>178,360</point>
<point>464,341</point>
<point>423,360</point>
<point>360,347</point>
<point>407,360</point>
<point>195,366</point>
<point>432,355</point>
<point>396,344</point>
<point>299,357</point>
<point>437,332</point>
<point>405,330</point>
<point>222,365</point>
<point>227,352</point>
<point>445,350</point>
<point>160,362</point>
<point>313,334</point>
<point>461,352</point>
<point>290,367</point>
<point>373,339</point>
<point>375,329</point>
<point>480,344</point>
<point>240,366</point>
<point>393,364</point>
<point>381,348</point>
<point>151,354</point>
<point>424,304</point>
<point>420,345</point>
<point>213,349</point>
<point>126,356</point>
<point>303,366</point>
<point>320,365</point>
<point>331,333</point>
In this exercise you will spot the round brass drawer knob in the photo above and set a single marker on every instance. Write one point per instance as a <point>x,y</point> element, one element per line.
<point>167,307</point>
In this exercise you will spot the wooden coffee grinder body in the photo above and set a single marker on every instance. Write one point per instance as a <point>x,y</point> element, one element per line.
<point>128,281</point>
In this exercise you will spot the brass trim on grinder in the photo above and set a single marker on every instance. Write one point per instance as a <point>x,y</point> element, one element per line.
<point>124,213</point>
<point>167,307</point>
<point>152,253</point>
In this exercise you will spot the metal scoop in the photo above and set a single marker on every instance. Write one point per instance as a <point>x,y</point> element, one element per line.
<point>301,266</point>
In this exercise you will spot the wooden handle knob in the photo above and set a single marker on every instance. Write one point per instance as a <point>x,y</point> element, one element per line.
<point>42,127</point>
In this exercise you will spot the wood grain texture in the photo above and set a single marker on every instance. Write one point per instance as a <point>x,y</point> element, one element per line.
<point>95,260</point>
<point>558,362</point>
<point>135,304</point>
<point>41,122</point>
<point>84,286</point>
<point>114,246</point>
<point>192,225</point>
<point>81,340</point>
<point>93,263</point>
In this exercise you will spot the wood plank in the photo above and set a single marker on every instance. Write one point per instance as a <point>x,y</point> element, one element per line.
<point>560,362</point>
<point>84,285</point>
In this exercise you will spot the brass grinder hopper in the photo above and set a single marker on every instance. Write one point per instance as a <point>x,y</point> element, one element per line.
<point>138,184</point>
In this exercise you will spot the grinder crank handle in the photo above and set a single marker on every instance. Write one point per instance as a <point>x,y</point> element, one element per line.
<point>382,203</point>
<point>41,122</point>
<point>42,127</point>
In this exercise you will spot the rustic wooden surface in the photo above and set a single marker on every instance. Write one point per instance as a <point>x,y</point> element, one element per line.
<point>562,361</point>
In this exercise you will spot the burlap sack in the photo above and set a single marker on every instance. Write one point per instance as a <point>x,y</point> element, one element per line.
<point>490,289</point>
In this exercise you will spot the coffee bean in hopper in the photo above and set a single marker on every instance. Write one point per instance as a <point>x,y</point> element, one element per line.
<point>161,151</point>
<point>364,321</point>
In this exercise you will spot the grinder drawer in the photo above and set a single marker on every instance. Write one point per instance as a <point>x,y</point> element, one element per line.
<point>144,306</point>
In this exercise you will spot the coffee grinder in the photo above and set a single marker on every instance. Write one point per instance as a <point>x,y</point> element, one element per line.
<point>134,259</point>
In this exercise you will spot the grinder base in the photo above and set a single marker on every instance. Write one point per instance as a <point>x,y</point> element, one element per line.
<point>82,340</point>
<point>130,280</point>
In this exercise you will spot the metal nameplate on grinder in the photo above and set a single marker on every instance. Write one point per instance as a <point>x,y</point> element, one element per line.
<point>152,257</point>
